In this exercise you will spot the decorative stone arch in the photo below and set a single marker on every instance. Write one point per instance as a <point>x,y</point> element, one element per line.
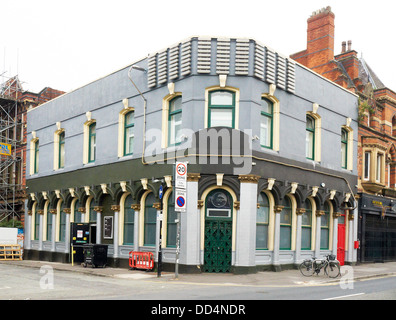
<point>207,181</point>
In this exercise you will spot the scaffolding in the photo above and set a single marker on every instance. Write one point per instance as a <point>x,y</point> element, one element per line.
<point>12,191</point>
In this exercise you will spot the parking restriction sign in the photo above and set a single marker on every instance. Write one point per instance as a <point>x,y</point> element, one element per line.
<point>181,175</point>
<point>180,200</point>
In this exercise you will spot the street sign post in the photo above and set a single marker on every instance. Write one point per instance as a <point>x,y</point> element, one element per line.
<point>180,203</point>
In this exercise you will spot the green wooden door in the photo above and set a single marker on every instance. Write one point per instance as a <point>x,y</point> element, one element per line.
<point>218,232</point>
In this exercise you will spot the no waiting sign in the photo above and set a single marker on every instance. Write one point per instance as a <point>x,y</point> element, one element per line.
<point>181,175</point>
<point>180,200</point>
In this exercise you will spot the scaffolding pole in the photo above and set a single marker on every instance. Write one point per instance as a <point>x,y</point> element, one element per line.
<point>11,137</point>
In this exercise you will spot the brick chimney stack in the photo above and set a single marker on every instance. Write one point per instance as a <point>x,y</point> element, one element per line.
<point>320,37</point>
<point>320,40</point>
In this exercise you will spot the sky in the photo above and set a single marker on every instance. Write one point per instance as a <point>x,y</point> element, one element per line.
<point>67,44</point>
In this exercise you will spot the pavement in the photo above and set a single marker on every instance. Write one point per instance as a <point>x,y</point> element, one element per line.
<point>285,278</point>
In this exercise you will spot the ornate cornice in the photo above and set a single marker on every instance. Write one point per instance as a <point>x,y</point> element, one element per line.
<point>67,210</point>
<point>237,205</point>
<point>200,204</point>
<point>40,212</point>
<point>98,209</point>
<point>135,206</point>
<point>81,209</point>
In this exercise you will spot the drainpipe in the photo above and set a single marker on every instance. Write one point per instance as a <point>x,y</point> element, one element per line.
<point>144,107</point>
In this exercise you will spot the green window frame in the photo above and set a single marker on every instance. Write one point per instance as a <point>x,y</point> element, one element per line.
<point>221,110</point>
<point>286,225</point>
<point>266,123</point>
<point>62,225</point>
<point>150,221</point>
<point>61,149</point>
<point>93,215</point>
<point>36,157</point>
<point>92,142</point>
<point>36,225</point>
<point>171,225</point>
<point>344,149</point>
<point>49,226</point>
<point>129,133</point>
<point>262,222</point>
<point>129,221</point>
<point>175,121</point>
<point>306,226</point>
<point>77,214</point>
<point>325,228</point>
<point>310,138</point>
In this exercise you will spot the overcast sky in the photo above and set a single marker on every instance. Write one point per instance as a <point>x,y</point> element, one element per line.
<point>67,44</point>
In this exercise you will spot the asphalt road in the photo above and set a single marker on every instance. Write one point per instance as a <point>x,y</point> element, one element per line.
<point>23,283</point>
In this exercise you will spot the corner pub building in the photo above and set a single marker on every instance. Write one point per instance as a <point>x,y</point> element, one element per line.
<point>271,149</point>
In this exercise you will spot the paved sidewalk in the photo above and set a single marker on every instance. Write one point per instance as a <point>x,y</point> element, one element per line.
<point>260,279</point>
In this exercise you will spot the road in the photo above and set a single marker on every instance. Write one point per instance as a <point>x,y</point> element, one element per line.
<point>25,283</point>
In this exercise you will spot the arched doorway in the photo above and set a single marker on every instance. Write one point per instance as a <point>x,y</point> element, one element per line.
<point>218,231</point>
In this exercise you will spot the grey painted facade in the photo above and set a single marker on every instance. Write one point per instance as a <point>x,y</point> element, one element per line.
<point>192,69</point>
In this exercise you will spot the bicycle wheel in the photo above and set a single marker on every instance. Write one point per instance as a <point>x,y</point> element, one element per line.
<point>332,269</point>
<point>306,268</point>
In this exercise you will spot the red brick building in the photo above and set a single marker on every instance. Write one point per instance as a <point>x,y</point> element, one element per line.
<point>377,133</point>
<point>14,103</point>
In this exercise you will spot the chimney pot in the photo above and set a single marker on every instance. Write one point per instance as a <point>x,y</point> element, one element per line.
<point>349,45</point>
<point>343,46</point>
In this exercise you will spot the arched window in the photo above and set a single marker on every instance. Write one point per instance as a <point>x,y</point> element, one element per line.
<point>262,222</point>
<point>171,225</point>
<point>36,224</point>
<point>77,214</point>
<point>310,138</point>
<point>266,123</point>
<point>62,224</point>
<point>221,109</point>
<point>286,225</point>
<point>129,132</point>
<point>92,213</point>
<point>175,121</point>
<point>129,221</point>
<point>325,228</point>
<point>344,149</point>
<point>150,220</point>
<point>306,226</point>
<point>49,225</point>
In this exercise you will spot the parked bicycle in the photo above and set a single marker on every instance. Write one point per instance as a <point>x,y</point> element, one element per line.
<point>330,265</point>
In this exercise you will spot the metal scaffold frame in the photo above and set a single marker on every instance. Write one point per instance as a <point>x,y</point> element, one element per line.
<point>10,136</point>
